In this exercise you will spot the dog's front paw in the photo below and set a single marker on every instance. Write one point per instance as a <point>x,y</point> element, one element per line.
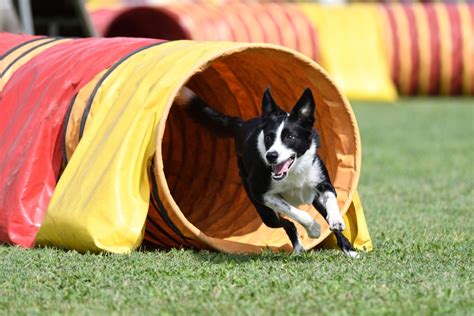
<point>336,223</point>
<point>314,230</point>
<point>353,254</point>
<point>298,249</point>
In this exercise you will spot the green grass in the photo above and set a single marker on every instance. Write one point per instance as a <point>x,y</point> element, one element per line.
<point>417,190</point>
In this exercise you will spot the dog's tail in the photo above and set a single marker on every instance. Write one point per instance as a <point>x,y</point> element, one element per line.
<point>205,114</point>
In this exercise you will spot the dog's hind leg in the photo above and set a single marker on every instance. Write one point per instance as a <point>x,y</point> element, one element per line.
<point>342,241</point>
<point>273,220</point>
<point>292,233</point>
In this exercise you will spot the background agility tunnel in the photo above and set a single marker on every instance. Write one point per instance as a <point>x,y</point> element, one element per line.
<point>299,27</point>
<point>275,23</point>
<point>428,47</point>
<point>99,113</point>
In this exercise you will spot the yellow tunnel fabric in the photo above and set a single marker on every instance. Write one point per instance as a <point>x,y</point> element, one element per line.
<point>352,50</point>
<point>93,207</point>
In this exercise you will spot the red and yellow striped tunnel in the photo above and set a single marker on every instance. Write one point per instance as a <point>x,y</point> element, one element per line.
<point>299,27</point>
<point>428,48</point>
<point>95,157</point>
<point>431,47</point>
<point>275,23</point>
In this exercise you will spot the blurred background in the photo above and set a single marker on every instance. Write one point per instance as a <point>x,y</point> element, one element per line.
<point>374,50</point>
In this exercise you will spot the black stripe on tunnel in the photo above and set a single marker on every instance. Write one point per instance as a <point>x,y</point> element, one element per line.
<point>102,79</point>
<point>157,207</point>
<point>26,52</point>
<point>11,50</point>
<point>152,235</point>
<point>161,209</point>
<point>65,123</point>
<point>159,228</point>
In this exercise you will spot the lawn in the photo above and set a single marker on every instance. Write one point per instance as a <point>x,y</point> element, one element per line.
<point>417,188</point>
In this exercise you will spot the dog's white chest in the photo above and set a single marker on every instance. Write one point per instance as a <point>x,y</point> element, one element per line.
<point>300,185</point>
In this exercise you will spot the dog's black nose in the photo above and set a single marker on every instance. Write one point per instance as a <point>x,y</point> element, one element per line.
<point>272,156</point>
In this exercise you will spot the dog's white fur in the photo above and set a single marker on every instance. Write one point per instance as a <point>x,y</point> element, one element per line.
<point>284,153</point>
<point>299,187</point>
<point>334,218</point>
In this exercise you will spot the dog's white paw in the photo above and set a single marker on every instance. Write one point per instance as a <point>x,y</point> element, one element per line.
<point>336,223</point>
<point>314,230</point>
<point>352,254</point>
<point>298,249</point>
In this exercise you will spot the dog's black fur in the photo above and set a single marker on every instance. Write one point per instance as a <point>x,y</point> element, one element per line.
<point>262,176</point>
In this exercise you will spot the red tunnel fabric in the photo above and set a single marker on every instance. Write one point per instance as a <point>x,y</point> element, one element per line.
<point>33,104</point>
<point>103,17</point>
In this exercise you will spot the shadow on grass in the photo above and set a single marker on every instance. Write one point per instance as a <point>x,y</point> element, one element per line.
<point>214,257</point>
<point>267,255</point>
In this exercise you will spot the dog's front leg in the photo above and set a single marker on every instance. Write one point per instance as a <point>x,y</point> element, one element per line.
<point>333,214</point>
<point>279,205</point>
<point>342,241</point>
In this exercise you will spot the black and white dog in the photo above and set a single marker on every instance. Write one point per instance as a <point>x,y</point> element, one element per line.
<point>279,166</point>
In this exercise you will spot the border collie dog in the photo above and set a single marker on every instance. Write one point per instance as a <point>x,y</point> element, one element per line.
<point>279,166</point>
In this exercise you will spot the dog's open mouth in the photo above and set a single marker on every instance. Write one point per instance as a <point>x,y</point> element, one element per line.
<point>280,171</point>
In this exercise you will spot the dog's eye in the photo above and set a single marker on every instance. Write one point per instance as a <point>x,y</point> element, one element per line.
<point>268,138</point>
<point>290,137</point>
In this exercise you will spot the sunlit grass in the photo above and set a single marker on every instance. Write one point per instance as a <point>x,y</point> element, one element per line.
<point>417,191</point>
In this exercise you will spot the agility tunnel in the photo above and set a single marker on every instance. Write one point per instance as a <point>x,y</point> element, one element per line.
<point>275,23</point>
<point>289,25</point>
<point>420,48</point>
<point>352,50</point>
<point>430,47</point>
<point>97,157</point>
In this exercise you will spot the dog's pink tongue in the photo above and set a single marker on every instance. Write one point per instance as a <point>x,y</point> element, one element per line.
<point>281,167</point>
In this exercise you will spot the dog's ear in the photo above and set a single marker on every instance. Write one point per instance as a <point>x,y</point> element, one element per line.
<point>303,111</point>
<point>269,106</point>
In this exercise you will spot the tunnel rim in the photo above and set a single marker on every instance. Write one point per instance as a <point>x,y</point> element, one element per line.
<point>159,172</point>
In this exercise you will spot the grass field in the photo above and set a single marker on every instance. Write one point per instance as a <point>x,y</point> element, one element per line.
<point>417,189</point>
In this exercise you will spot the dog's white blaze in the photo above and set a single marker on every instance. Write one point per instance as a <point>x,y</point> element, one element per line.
<point>334,218</point>
<point>284,153</point>
<point>261,146</point>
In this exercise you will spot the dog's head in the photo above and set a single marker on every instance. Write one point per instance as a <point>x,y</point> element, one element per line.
<point>287,137</point>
